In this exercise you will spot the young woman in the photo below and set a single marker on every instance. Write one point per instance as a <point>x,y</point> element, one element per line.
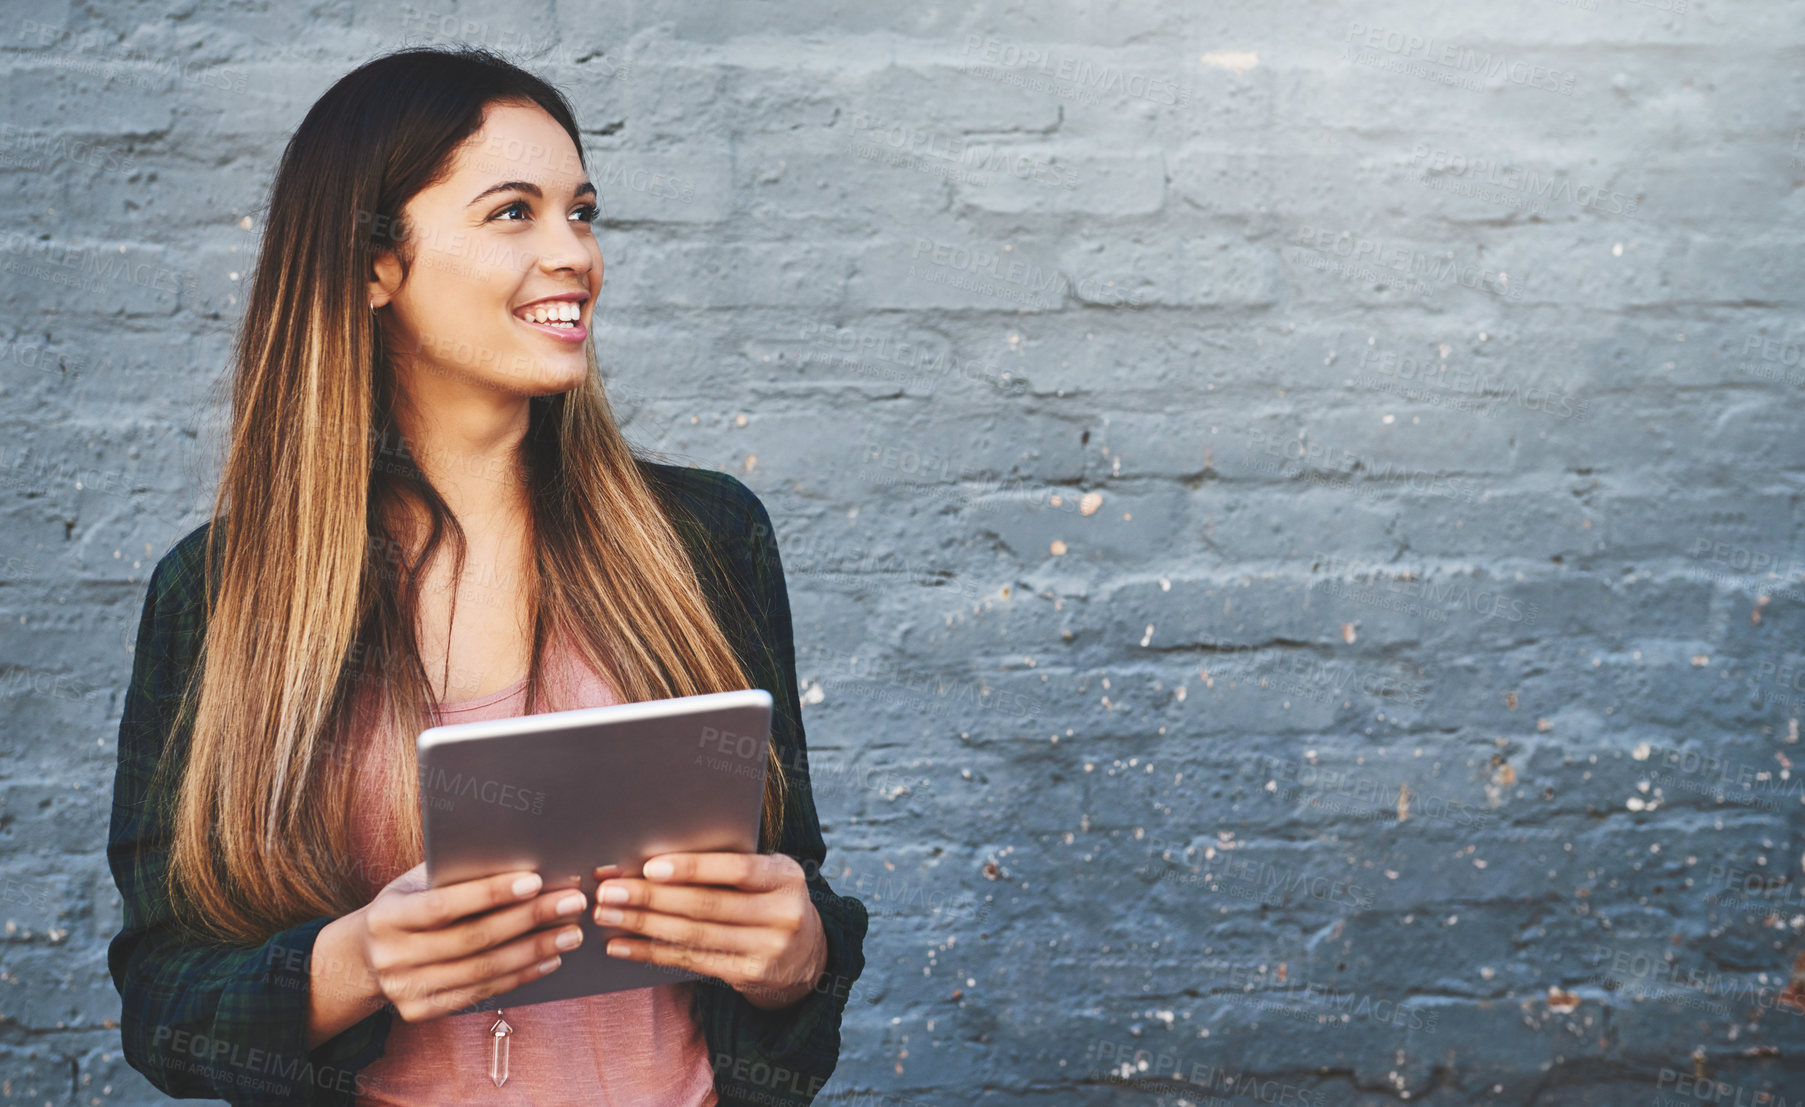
<point>427,514</point>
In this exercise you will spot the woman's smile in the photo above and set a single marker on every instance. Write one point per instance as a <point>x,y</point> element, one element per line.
<point>560,316</point>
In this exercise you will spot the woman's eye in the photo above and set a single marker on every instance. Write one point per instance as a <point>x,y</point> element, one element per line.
<point>586,213</point>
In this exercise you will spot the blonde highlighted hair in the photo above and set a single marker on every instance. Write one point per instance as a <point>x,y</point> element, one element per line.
<point>297,599</point>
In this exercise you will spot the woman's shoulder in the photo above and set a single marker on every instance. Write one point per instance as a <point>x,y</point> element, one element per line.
<point>173,620</point>
<point>726,511</point>
<point>724,508</point>
<point>176,580</point>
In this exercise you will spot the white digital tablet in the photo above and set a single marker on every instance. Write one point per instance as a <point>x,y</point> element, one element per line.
<point>563,792</point>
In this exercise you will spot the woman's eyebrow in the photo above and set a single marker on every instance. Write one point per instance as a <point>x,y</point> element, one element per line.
<point>528,187</point>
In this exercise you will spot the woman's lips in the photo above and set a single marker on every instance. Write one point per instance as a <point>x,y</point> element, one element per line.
<point>576,333</point>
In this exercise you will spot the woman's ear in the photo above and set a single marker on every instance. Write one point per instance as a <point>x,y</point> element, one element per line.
<point>385,279</point>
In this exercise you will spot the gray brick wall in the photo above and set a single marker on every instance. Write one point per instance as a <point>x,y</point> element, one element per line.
<point>1292,510</point>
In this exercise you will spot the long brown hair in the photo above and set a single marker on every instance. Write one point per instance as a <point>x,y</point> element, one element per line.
<point>306,607</point>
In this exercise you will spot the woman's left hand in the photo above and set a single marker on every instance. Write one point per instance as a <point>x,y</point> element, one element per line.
<point>743,918</point>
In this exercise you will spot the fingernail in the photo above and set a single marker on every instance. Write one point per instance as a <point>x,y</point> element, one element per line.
<point>549,964</point>
<point>613,893</point>
<point>659,870</point>
<point>608,916</point>
<point>569,939</point>
<point>571,904</point>
<point>526,885</point>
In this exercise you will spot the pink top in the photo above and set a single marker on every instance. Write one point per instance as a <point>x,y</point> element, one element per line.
<point>639,1046</point>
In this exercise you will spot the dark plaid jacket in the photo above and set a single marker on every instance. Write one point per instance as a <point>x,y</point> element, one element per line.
<point>230,1022</point>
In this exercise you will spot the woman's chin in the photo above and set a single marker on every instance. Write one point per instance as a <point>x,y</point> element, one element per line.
<point>572,377</point>
<point>555,384</point>
<point>543,376</point>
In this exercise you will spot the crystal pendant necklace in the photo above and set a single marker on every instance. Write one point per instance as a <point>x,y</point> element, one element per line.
<point>498,1049</point>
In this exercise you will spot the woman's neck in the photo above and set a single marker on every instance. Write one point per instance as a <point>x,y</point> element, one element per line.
<point>470,449</point>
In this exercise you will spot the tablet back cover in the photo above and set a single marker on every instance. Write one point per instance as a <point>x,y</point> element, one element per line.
<point>563,792</point>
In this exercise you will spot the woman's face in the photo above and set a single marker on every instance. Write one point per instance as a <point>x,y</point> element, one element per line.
<point>504,254</point>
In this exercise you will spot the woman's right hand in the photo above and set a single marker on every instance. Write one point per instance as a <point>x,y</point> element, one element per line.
<point>432,951</point>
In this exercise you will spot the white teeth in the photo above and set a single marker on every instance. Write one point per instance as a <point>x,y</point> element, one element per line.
<point>554,313</point>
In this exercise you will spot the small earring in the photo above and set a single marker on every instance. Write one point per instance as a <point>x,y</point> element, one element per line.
<point>372,305</point>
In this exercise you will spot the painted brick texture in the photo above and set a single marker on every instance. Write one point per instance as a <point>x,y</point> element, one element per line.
<point>1293,512</point>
